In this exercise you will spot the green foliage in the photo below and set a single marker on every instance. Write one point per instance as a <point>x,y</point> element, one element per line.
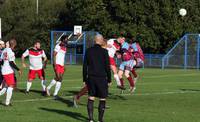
<point>19,20</point>
<point>157,21</point>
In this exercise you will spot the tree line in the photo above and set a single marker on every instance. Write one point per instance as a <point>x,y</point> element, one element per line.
<point>157,23</point>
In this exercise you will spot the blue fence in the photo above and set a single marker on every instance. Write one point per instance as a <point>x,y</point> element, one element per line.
<point>153,60</point>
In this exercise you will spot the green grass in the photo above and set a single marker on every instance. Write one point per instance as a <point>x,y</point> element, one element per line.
<point>161,96</point>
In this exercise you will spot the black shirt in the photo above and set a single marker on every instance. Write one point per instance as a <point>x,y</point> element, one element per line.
<point>96,63</point>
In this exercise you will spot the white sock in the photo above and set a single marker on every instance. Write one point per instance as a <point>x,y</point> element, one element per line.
<point>28,86</point>
<point>117,79</point>
<point>53,82</point>
<point>43,83</point>
<point>57,88</point>
<point>9,95</point>
<point>3,91</point>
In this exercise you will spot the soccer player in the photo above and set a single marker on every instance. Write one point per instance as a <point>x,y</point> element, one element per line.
<point>58,65</point>
<point>37,61</point>
<point>139,57</point>
<point>127,63</point>
<point>113,47</point>
<point>8,67</point>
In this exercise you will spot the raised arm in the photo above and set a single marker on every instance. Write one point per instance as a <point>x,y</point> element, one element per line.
<point>24,55</point>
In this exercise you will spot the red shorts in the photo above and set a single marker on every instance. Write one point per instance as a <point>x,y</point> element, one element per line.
<point>32,73</point>
<point>59,69</point>
<point>10,79</point>
<point>112,61</point>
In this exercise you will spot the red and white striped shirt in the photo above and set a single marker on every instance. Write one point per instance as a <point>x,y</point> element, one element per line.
<point>35,58</point>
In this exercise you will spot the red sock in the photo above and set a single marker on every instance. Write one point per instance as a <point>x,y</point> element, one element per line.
<point>82,92</point>
<point>131,81</point>
<point>122,81</point>
<point>134,73</point>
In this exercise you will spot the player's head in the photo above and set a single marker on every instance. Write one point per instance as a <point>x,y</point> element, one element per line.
<point>99,39</point>
<point>2,44</point>
<point>129,38</point>
<point>7,44</point>
<point>121,39</point>
<point>37,44</point>
<point>64,39</point>
<point>12,43</point>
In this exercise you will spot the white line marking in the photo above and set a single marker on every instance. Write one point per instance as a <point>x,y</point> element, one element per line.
<point>178,75</point>
<point>138,94</point>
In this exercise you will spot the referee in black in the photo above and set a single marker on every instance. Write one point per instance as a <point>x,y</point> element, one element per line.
<point>97,76</point>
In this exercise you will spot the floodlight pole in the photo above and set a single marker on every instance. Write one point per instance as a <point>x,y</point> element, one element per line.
<point>37,6</point>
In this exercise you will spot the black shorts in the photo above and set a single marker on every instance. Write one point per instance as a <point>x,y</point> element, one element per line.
<point>97,87</point>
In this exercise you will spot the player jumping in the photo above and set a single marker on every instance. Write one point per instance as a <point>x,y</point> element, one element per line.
<point>127,63</point>
<point>37,60</point>
<point>58,65</point>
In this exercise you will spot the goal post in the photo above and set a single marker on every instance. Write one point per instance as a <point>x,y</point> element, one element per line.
<point>185,53</point>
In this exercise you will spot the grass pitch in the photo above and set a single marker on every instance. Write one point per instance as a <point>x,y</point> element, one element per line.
<point>161,96</point>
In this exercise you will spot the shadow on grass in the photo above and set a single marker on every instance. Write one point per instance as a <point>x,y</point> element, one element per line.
<point>65,101</point>
<point>116,97</point>
<point>197,90</point>
<point>110,95</point>
<point>74,115</point>
<point>34,91</point>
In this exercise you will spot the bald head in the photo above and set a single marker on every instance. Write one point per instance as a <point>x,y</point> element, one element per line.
<point>99,39</point>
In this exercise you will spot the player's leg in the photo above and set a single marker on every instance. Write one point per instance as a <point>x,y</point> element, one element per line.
<point>58,84</point>
<point>91,98</point>
<point>130,79</point>
<point>102,93</point>
<point>41,75</point>
<point>133,71</point>
<point>31,77</point>
<point>113,67</point>
<point>10,81</point>
<point>116,77</point>
<point>77,97</point>
<point>4,88</point>
<point>121,72</point>
<point>53,81</point>
<point>60,73</point>
<point>101,109</point>
<point>90,108</point>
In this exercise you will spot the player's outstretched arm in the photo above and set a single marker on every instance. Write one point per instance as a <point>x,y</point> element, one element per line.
<point>24,55</point>
<point>23,62</point>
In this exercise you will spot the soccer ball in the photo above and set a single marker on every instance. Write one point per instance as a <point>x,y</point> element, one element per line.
<point>182,12</point>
